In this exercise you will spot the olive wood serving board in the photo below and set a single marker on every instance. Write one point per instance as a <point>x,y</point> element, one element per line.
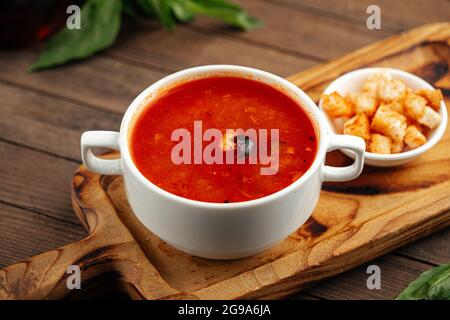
<point>353,223</point>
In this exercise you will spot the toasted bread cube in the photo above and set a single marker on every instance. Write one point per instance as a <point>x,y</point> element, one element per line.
<point>434,97</point>
<point>371,84</point>
<point>391,90</point>
<point>414,105</point>
<point>379,144</point>
<point>389,123</point>
<point>414,138</point>
<point>397,146</point>
<point>430,118</point>
<point>336,106</point>
<point>370,88</point>
<point>396,105</point>
<point>363,103</point>
<point>358,126</point>
<point>423,129</point>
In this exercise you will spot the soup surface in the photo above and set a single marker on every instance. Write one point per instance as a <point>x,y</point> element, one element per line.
<point>221,103</point>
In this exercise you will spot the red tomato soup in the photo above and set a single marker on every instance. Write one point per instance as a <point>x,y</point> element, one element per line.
<point>221,103</point>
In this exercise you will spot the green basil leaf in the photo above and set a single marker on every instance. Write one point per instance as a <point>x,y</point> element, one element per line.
<point>149,7</point>
<point>220,9</point>
<point>439,288</point>
<point>166,15</point>
<point>181,11</point>
<point>430,285</point>
<point>129,9</point>
<point>100,24</point>
<point>158,9</point>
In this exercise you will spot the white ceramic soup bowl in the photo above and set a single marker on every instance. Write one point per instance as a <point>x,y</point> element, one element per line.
<point>352,82</point>
<point>222,230</point>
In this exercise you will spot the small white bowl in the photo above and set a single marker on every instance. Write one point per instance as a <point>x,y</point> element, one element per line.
<point>352,82</point>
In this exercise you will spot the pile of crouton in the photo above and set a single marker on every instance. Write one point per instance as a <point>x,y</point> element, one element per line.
<point>390,117</point>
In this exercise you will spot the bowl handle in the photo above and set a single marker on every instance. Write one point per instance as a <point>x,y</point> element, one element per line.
<point>355,144</point>
<point>100,139</point>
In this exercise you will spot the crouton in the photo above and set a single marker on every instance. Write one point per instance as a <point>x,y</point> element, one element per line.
<point>389,123</point>
<point>412,122</point>
<point>379,144</point>
<point>371,84</point>
<point>414,105</point>
<point>388,115</point>
<point>358,126</point>
<point>396,105</point>
<point>397,146</point>
<point>434,97</point>
<point>391,90</point>
<point>414,138</point>
<point>336,106</point>
<point>370,88</point>
<point>430,118</point>
<point>363,103</point>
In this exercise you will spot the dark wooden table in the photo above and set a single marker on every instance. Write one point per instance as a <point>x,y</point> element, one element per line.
<point>43,114</point>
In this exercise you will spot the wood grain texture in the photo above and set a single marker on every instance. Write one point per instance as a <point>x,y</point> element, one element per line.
<point>396,272</point>
<point>316,36</point>
<point>44,276</point>
<point>100,82</point>
<point>142,55</point>
<point>25,175</point>
<point>434,249</point>
<point>54,127</point>
<point>396,16</point>
<point>138,46</point>
<point>380,211</point>
<point>19,241</point>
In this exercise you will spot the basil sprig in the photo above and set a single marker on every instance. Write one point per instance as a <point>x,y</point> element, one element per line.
<point>101,20</point>
<point>100,24</point>
<point>186,10</point>
<point>430,285</point>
